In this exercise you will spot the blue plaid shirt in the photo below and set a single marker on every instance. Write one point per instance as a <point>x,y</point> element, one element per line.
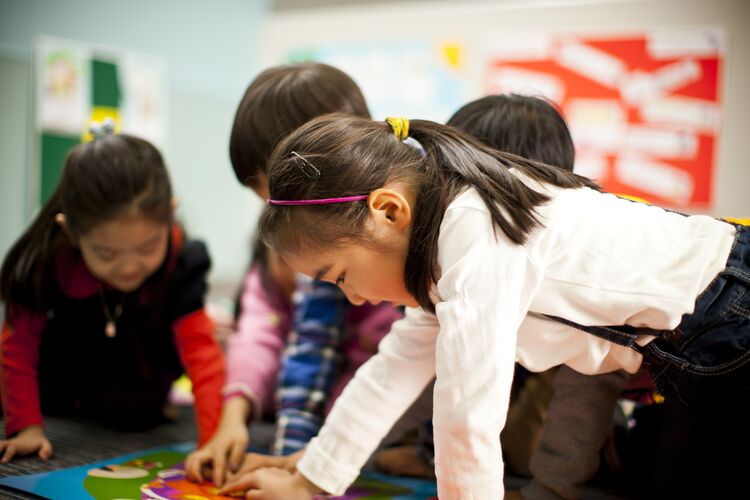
<point>310,363</point>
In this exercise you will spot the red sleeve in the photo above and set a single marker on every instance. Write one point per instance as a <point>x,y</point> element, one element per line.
<point>19,356</point>
<point>204,362</point>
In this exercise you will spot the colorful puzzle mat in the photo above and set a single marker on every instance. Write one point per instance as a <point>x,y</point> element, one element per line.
<point>158,473</point>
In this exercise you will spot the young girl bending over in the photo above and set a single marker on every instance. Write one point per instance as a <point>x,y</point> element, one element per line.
<point>302,353</point>
<point>502,259</point>
<point>104,302</point>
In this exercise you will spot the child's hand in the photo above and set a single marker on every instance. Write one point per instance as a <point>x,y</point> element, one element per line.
<point>272,482</point>
<point>223,454</point>
<point>29,440</point>
<point>255,461</point>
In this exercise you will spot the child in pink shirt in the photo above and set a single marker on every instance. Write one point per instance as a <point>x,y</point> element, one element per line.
<point>279,100</point>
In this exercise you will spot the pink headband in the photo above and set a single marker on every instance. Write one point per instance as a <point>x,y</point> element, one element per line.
<point>322,201</point>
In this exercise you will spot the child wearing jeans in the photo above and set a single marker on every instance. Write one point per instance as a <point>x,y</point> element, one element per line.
<point>501,259</point>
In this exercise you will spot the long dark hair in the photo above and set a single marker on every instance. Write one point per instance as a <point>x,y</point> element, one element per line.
<point>356,156</point>
<point>528,126</point>
<point>279,100</point>
<point>100,179</point>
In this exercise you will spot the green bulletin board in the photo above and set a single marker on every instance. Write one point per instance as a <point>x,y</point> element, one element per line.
<point>77,84</point>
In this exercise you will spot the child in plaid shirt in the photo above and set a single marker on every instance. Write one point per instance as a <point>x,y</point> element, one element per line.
<point>300,341</point>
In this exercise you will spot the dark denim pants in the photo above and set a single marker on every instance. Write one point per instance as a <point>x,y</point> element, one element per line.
<point>703,370</point>
<point>702,367</point>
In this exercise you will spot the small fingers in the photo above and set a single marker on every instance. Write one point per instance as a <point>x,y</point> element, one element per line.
<point>245,481</point>
<point>236,456</point>
<point>45,450</point>
<point>219,461</point>
<point>194,464</point>
<point>10,451</point>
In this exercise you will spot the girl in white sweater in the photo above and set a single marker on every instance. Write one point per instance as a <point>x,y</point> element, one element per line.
<point>499,259</point>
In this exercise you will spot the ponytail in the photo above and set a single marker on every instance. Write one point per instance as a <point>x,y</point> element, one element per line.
<point>453,161</point>
<point>22,273</point>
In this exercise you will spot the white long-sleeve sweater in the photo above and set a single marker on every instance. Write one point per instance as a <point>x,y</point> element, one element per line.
<point>597,260</point>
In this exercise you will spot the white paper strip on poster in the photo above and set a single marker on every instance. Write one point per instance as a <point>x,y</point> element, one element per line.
<point>655,177</point>
<point>669,44</point>
<point>698,114</point>
<point>591,165</point>
<point>521,81</point>
<point>663,143</point>
<point>592,63</point>
<point>638,86</point>
<point>597,123</point>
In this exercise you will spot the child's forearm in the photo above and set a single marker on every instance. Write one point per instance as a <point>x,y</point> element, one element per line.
<point>237,410</point>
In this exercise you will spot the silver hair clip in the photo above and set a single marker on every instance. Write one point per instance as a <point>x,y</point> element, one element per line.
<point>99,130</point>
<point>307,168</point>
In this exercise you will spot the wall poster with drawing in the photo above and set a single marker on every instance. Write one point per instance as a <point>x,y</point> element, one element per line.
<point>77,83</point>
<point>643,108</point>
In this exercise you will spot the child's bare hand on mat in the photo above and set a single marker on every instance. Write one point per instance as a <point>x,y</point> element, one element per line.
<point>273,483</point>
<point>222,453</point>
<point>27,441</point>
<point>225,451</point>
<point>254,461</point>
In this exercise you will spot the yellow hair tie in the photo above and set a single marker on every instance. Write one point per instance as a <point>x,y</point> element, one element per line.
<point>399,125</point>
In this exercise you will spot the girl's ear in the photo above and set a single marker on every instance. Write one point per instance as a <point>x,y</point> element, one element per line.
<point>175,204</point>
<point>390,208</point>
<point>63,223</point>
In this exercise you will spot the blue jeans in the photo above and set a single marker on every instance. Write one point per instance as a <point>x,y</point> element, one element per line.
<point>703,370</point>
<point>702,367</point>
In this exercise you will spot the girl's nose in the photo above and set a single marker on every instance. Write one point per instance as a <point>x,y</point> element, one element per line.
<point>132,266</point>
<point>129,265</point>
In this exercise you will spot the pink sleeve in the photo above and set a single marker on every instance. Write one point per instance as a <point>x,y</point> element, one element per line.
<point>254,350</point>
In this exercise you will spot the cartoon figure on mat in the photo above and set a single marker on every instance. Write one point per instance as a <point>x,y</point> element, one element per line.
<point>118,472</point>
<point>124,480</point>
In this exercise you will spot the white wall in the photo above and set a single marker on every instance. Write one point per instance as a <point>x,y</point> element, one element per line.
<point>213,49</point>
<point>211,52</point>
<point>472,23</point>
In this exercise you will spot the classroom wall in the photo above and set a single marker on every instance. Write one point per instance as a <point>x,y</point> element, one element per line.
<point>213,49</point>
<point>471,24</point>
<point>210,50</point>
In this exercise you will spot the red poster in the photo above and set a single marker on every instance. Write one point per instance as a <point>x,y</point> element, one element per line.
<point>643,110</point>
